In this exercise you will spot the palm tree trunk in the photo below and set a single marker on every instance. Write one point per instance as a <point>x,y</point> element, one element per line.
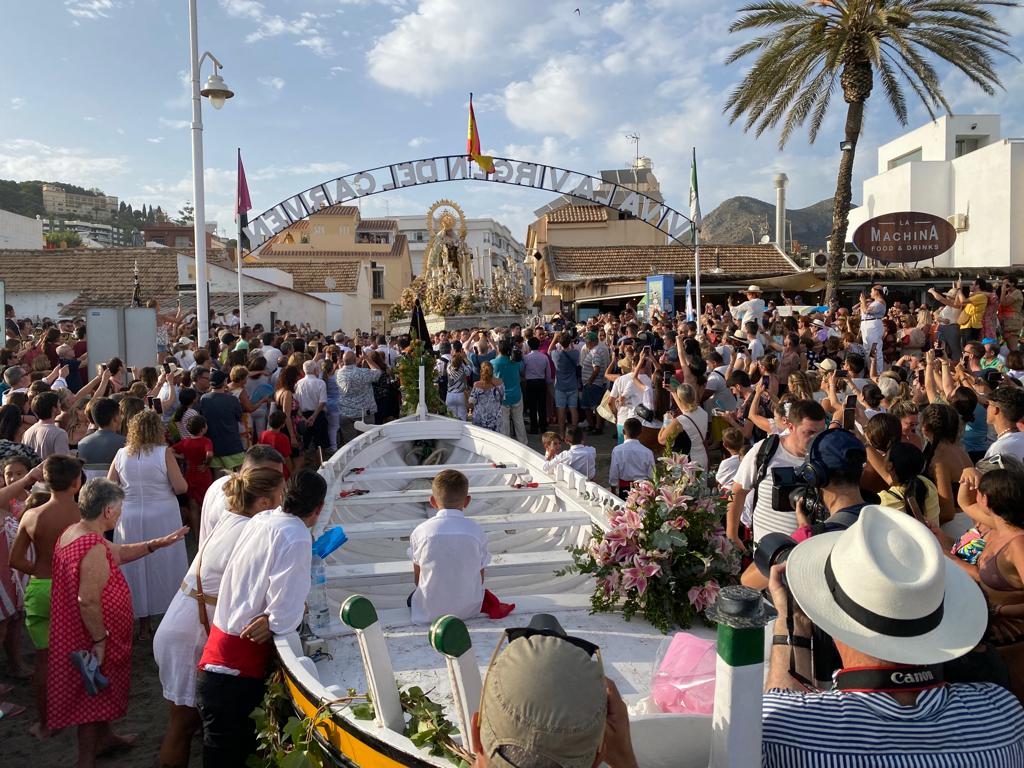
<point>841,202</point>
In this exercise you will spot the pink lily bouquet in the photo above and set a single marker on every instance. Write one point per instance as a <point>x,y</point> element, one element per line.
<point>666,555</point>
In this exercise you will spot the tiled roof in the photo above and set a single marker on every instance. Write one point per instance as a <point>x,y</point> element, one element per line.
<point>310,276</point>
<point>578,214</point>
<point>103,276</point>
<point>336,210</point>
<point>377,224</point>
<point>635,262</point>
<point>273,248</point>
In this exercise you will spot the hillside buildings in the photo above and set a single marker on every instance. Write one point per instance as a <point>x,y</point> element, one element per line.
<point>63,204</point>
<point>960,168</point>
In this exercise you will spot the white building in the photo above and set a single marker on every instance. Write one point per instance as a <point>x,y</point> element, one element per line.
<point>94,234</point>
<point>18,231</point>
<point>961,169</point>
<point>489,241</point>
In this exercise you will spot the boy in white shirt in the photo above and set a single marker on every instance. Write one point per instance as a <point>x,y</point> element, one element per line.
<point>449,554</point>
<point>631,461</point>
<point>582,458</point>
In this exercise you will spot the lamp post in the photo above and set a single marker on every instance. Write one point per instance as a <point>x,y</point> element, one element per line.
<point>217,92</point>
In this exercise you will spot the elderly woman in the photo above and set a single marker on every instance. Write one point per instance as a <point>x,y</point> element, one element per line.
<point>179,640</point>
<point>149,474</point>
<point>91,611</point>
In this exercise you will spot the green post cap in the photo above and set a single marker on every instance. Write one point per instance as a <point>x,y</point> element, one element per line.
<point>449,636</point>
<point>358,612</point>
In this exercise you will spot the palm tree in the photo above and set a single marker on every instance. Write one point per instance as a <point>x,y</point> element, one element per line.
<point>804,48</point>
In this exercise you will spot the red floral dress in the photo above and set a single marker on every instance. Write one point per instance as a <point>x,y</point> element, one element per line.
<point>67,701</point>
<point>196,450</point>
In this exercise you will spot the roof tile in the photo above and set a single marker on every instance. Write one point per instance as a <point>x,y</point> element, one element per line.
<point>578,214</point>
<point>573,264</point>
<point>310,276</point>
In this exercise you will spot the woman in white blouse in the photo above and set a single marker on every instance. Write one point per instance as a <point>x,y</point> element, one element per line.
<point>692,419</point>
<point>179,640</point>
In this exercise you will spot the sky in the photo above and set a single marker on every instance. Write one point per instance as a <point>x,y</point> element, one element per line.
<point>96,93</point>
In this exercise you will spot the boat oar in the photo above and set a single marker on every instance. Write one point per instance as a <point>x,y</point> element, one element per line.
<point>358,612</point>
<point>450,638</point>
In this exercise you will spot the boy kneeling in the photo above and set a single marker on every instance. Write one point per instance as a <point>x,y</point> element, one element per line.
<point>449,554</point>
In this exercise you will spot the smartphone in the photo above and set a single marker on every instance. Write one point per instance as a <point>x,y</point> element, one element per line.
<point>167,367</point>
<point>766,380</point>
<point>841,374</point>
<point>939,352</point>
<point>666,377</point>
<point>103,366</point>
<point>646,350</point>
<point>920,377</point>
<point>850,413</point>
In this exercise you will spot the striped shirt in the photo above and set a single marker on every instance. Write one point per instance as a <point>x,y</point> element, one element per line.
<point>766,518</point>
<point>966,725</point>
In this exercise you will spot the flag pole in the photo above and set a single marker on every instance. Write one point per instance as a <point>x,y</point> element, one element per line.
<point>695,228</point>
<point>238,248</point>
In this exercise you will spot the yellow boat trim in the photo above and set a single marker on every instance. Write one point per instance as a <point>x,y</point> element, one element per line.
<point>349,745</point>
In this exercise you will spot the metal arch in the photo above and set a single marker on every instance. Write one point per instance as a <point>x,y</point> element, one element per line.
<point>449,168</point>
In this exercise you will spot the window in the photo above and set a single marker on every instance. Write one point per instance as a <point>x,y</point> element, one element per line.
<point>420,235</point>
<point>377,274</point>
<point>182,241</point>
<point>318,229</point>
<point>909,157</point>
<point>378,314</point>
<point>304,239</point>
<point>965,144</point>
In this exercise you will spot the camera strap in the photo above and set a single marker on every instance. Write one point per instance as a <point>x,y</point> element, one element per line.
<point>889,679</point>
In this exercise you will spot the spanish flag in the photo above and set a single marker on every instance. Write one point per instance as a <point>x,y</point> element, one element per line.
<point>486,162</point>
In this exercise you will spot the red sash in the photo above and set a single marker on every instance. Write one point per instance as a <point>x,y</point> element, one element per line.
<point>234,652</point>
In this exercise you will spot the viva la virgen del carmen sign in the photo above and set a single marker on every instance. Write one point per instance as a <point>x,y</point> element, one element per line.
<point>904,237</point>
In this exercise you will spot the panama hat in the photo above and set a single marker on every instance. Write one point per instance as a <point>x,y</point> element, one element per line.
<point>753,289</point>
<point>826,364</point>
<point>884,587</point>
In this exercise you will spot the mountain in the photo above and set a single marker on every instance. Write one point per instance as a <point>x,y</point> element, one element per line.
<point>732,221</point>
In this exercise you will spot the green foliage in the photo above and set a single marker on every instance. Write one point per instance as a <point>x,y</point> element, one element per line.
<point>408,368</point>
<point>426,726</point>
<point>805,49</point>
<point>63,239</point>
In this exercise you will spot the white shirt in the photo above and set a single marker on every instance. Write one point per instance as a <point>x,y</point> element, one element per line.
<point>214,506</point>
<point>727,471</point>
<point>749,310</point>
<point>1010,444</point>
<point>724,399</point>
<point>630,461</point>
<point>582,458</point>
<point>268,574</point>
<point>766,519</point>
<point>310,392</point>
<point>186,359</point>
<point>271,355</point>
<point>450,550</point>
<point>695,424</point>
<point>630,395</point>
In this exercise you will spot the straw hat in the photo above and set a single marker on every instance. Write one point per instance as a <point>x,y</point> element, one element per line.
<point>753,289</point>
<point>884,587</point>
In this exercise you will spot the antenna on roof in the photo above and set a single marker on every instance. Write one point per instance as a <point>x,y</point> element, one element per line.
<point>635,138</point>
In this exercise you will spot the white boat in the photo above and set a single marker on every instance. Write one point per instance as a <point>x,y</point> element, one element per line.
<point>378,491</point>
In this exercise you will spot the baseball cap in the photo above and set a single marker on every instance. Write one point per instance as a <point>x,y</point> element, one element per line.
<point>837,449</point>
<point>543,696</point>
<point>217,378</point>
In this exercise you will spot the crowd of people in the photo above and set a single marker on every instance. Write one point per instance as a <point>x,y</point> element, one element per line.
<point>807,415</point>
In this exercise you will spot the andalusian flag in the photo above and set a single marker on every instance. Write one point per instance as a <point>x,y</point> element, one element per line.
<point>694,199</point>
<point>486,162</point>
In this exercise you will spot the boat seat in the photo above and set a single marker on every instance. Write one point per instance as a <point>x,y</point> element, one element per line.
<point>421,496</point>
<point>397,529</point>
<point>400,571</point>
<point>410,473</point>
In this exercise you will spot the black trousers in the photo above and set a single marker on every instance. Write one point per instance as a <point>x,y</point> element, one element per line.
<point>225,703</point>
<point>316,433</point>
<point>535,402</point>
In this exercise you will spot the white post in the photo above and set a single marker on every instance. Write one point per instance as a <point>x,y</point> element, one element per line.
<point>699,308</point>
<point>198,191</point>
<point>241,298</point>
<point>781,180</point>
<point>421,409</point>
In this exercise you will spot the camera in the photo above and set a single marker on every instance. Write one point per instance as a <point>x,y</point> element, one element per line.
<point>787,491</point>
<point>773,549</point>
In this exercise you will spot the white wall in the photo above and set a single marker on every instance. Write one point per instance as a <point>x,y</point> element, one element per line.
<point>270,275</point>
<point>39,304</point>
<point>20,231</point>
<point>937,140</point>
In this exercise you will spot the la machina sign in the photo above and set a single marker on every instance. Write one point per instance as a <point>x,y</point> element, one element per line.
<point>433,170</point>
<point>905,237</point>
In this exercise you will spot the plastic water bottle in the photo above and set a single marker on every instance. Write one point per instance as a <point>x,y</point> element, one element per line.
<point>319,614</point>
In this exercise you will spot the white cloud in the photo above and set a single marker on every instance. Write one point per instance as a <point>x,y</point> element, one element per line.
<point>174,125</point>
<point>558,98</point>
<point>318,170</point>
<point>275,83</point>
<point>338,70</point>
<point>155,140</point>
<point>17,103</point>
<point>89,118</point>
<point>307,26</point>
<point>428,50</point>
<point>418,141</point>
<point>22,159</point>
<point>90,9</point>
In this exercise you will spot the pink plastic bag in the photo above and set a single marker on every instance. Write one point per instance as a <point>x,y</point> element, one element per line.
<point>684,680</point>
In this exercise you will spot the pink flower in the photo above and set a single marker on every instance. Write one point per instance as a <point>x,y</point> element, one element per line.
<point>677,522</point>
<point>704,596</point>
<point>675,461</point>
<point>631,521</point>
<point>673,498</point>
<point>637,576</point>
<point>610,584</point>
<point>720,542</point>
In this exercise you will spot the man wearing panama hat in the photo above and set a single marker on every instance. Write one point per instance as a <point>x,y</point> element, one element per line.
<point>897,609</point>
<point>751,310</point>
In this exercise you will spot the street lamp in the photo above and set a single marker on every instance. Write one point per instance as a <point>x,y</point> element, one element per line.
<point>218,92</point>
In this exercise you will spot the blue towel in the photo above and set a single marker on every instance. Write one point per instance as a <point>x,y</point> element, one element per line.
<point>329,540</point>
